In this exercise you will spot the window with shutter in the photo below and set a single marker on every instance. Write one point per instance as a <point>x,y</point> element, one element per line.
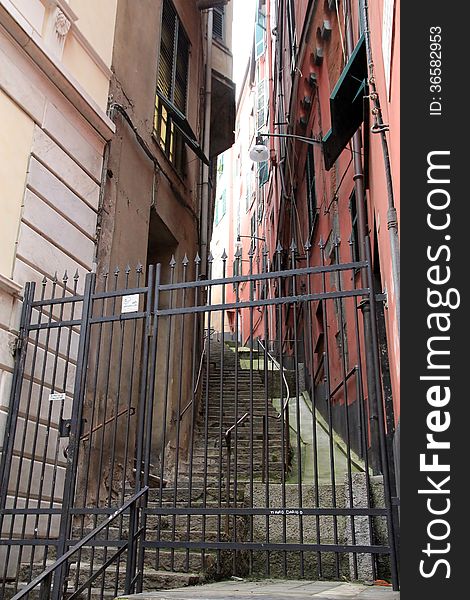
<point>261,106</point>
<point>172,84</point>
<point>260,33</point>
<point>218,24</point>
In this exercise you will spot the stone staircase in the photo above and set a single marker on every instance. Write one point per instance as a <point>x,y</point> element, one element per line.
<point>202,484</point>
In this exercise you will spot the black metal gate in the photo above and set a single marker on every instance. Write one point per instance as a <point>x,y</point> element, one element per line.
<point>183,427</point>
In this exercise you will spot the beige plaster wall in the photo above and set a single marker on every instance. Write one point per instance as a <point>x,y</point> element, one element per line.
<point>16,135</point>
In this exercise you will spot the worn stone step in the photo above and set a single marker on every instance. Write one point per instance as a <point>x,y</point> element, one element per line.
<point>153,579</point>
<point>95,593</point>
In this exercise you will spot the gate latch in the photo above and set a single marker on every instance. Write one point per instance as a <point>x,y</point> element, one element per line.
<point>65,425</point>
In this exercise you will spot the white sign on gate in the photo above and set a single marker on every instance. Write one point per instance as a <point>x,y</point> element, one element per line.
<point>130,303</point>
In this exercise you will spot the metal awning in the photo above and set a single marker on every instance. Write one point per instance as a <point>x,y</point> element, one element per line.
<point>346,104</point>
<point>182,123</point>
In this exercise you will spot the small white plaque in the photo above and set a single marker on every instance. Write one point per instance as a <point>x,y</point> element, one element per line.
<point>56,396</point>
<point>130,303</point>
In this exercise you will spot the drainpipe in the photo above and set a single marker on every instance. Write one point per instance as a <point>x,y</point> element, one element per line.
<point>363,235</point>
<point>381,128</point>
<point>205,192</point>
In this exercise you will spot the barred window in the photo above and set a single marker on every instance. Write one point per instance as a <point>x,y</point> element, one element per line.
<point>172,84</point>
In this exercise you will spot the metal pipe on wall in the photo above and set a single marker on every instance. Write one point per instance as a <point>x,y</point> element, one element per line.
<point>381,129</point>
<point>205,192</point>
<point>363,235</point>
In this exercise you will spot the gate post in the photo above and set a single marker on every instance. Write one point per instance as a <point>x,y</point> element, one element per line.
<point>75,431</point>
<point>15,394</point>
<point>147,394</point>
<point>381,421</point>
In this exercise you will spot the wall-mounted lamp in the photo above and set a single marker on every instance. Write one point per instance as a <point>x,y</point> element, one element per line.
<point>260,152</point>
<point>251,237</point>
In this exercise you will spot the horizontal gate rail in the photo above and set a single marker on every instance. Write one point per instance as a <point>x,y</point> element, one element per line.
<point>54,325</point>
<point>352,266</point>
<point>287,547</point>
<point>267,302</point>
<point>56,301</point>
<point>273,512</point>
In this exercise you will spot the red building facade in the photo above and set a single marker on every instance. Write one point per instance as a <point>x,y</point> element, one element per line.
<point>327,71</point>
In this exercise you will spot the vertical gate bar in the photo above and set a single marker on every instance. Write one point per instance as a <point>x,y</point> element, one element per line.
<point>144,427</point>
<point>102,432</point>
<point>130,409</point>
<point>133,516</point>
<point>49,418</point>
<point>251,405</point>
<point>87,460</point>
<point>344,370</point>
<point>35,424</point>
<point>313,400</point>
<point>13,409</point>
<point>112,421</point>
<point>265,448</point>
<point>112,457</point>
<point>25,431</point>
<point>237,333</point>
<point>206,404</point>
<point>165,412</point>
<point>115,417</point>
<point>362,417</point>
<point>221,409</point>
<point>76,417</point>
<point>326,361</point>
<point>178,410</point>
<point>297,410</point>
<point>195,384</point>
<point>62,407</point>
<point>133,512</point>
<point>285,431</point>
<point>381,419</point>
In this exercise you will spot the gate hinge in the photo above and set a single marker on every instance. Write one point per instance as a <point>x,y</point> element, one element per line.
<point>381,297</point>
<point>17,345</point>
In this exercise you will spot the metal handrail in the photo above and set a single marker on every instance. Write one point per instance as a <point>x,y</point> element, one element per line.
<point>201,362</point>
<point>60,561</point>
<point>276,364</point>
<point>228,433</point>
